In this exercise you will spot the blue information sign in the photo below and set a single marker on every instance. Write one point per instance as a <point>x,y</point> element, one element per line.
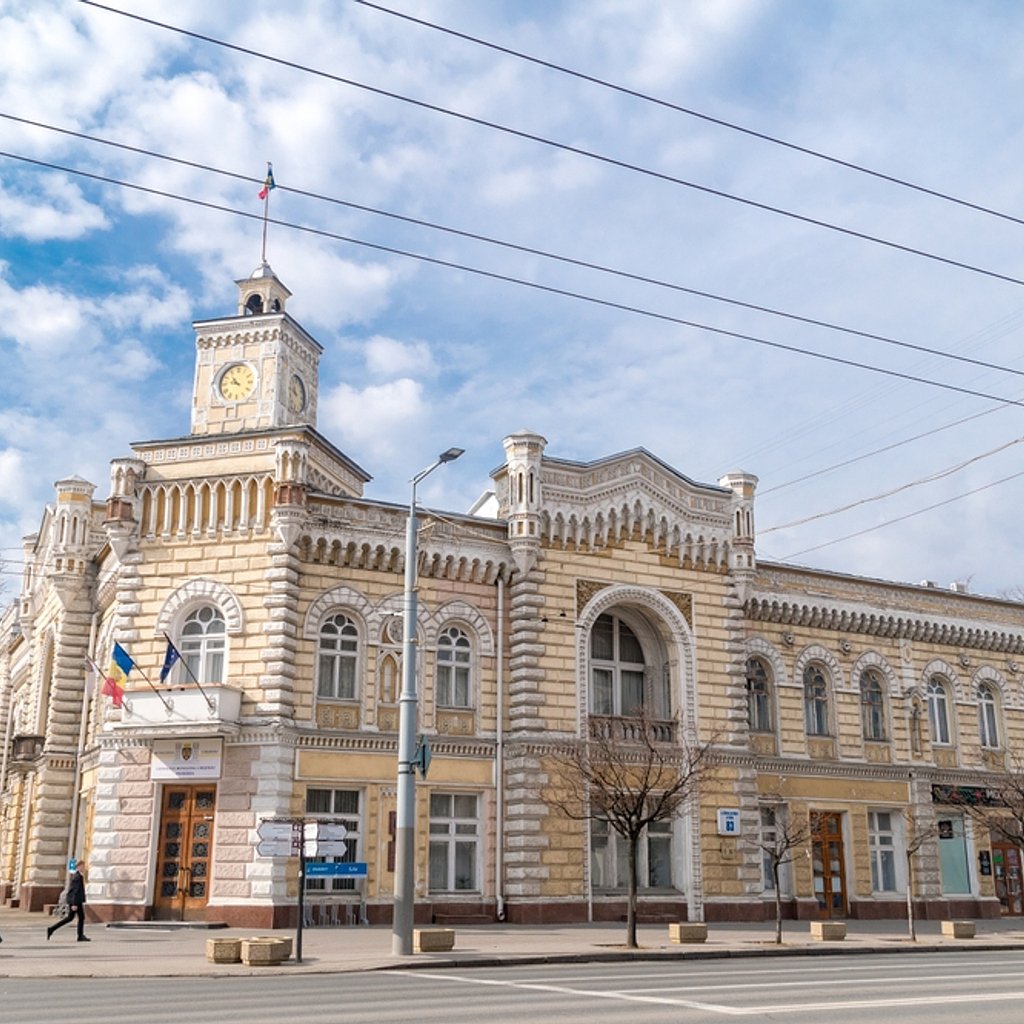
<point>327,869</point>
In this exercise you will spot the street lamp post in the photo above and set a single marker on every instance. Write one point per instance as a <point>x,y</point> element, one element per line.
<point>405,823</point>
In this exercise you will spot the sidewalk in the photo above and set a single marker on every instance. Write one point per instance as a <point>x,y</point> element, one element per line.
<point>155,950</point>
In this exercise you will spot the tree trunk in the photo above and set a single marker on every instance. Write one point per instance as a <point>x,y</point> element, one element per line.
<point>631,908</point>
<point>911,927</point>
<point>778,903</point>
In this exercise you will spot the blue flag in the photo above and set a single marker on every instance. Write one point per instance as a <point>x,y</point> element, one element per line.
<point>170,660</point>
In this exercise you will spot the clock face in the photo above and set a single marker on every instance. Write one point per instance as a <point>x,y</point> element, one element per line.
<point>296,394</point>
<point>237,382</point>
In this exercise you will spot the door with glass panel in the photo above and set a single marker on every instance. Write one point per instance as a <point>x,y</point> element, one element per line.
<point>1006,871</point>
<point>827,858</point>
<point>184,853</point>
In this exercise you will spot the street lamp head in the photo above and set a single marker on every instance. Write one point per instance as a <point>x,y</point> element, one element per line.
<point>450,455</point>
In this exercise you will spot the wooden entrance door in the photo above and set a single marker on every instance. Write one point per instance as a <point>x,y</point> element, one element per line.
<point>184,853</point>
<point>1006,873</point>
<point>828,859</point>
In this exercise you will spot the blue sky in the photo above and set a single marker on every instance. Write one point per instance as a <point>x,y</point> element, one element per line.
<point>99,284</point>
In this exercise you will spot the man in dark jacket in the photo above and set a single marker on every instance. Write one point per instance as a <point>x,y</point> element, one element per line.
<point>76,905</point>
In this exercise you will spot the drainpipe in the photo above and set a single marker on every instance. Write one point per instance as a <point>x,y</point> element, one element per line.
<point>499,760</point>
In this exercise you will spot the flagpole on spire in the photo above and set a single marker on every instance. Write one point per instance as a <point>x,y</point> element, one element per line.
<point>268,186</point>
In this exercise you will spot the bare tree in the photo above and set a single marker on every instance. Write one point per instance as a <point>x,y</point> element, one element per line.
<point>919,830</point>
<point>628,772</point>
<point>779,844</point>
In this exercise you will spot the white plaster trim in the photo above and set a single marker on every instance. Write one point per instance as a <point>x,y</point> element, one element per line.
<point>200,591</point>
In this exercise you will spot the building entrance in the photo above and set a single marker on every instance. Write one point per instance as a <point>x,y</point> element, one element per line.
<point>184,853</point>
<point>828,859</point>
<point>1006,873</point>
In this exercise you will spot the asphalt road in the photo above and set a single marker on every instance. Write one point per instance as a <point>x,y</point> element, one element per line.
<point>939,988</point>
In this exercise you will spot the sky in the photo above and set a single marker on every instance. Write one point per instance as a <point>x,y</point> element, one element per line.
<point>693,169</point>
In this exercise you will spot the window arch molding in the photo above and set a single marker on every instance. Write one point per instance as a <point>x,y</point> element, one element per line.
<point>194,593</point>
<point>664,624</point>
<point>988,675</point>
<point>337,599</point>
<point>873,660</point>
<point>824,657</point>
<point>460,613</point>
<point>940,667</point>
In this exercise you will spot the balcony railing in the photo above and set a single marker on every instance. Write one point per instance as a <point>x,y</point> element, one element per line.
<point>170,710</point>
<point>631,729</point>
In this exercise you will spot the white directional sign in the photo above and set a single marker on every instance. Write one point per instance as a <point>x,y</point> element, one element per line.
<point>281,831</point>
<point>276,848</point>
<point>279,838</point>
<point>329,848</point>
<point>326,830</point>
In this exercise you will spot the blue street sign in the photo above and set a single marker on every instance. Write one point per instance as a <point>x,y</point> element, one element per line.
<point>327,869</point>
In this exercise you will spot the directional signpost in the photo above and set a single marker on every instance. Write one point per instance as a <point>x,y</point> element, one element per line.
<point>296,837</point>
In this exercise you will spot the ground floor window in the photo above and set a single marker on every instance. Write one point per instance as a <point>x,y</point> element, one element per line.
<point>773,836</point>
<point>882,844</point>
<point>609,857</point>
<point>337,805</point>
<point>454,842</point>
<point>953,859</point>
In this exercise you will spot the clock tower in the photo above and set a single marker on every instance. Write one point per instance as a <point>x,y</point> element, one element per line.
<point>257,369</point>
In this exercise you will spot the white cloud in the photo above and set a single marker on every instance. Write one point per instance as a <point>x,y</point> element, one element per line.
<point>373,420</point>
<point>55,209</point>
<point>389,358</point>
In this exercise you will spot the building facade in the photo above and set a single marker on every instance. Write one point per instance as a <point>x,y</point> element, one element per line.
<point>579,593</point>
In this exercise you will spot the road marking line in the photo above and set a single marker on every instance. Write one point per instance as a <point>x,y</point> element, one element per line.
<point>865,1004</point>
<point>622,997</point>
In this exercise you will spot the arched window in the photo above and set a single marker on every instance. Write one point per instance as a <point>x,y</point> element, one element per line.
<point>938,710</point>
<point>872,706</point>
<point>988,729</point>
<point>815,701</point>
<point>454,660</point>
<point>337,651</point>
<point>616,668</point>
<point>759,706</point>
<point>203,645</point>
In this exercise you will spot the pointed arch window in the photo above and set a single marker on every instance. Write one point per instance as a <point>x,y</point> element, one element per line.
<point>759,704</point>
<point>454,662</point>
<point>872,705</point>
<point>338,649</point>
<point>938,710</point>
<point>204,644</point>
<point>815,701</point>
<point>988,717</point>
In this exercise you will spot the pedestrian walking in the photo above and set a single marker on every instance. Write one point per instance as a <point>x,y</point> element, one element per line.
<point>76,905</point>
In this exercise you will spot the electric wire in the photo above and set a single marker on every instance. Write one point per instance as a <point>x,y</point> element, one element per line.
<point>931,478</point>
<point>516,247</point>
<point>511,279</point>
<point>565,147</point>
<point>903,518</point>
<point>690,112</point>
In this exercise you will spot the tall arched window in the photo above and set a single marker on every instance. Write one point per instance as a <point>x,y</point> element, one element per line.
<point>872,706</point>
<point>616,668</point>
<point>988,728</point>
<point>454,660</point>
<point>337,650</point>
<point>759,707</point>
<point>203,645</point>
<point>815,701</point>
<point>938,710</point>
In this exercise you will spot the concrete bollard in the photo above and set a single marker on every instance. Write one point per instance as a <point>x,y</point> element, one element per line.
<point>828,931</point>
<point>687,931</point>
<point>433,940</point>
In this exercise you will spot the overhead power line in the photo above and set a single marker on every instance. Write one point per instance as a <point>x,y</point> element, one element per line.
<point>904,518</point>
<point>565,147</point>
<point>516,247</point>
<point>511,279</point>
<point>930,479</point>
<point>690,112</point>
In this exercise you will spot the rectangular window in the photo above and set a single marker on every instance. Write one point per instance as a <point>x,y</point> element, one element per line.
<point>454,853</point>
<point>953,861</point>
<point>769,838</point>
<point>338,805</point>
<point>609,857</point>
<point>882,843</point>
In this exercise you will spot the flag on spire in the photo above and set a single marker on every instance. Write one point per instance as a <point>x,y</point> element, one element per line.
<point>268,182</point>
<point>120,665</point>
